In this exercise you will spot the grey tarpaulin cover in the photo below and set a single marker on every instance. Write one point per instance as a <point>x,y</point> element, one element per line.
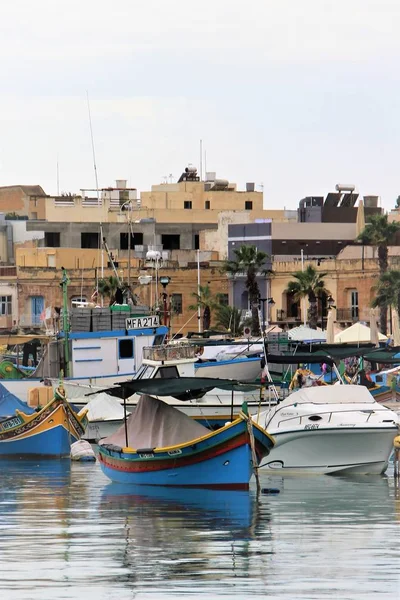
<point>155,424</point>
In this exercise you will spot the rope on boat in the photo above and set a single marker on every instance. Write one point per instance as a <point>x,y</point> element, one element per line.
<point>253,451</point>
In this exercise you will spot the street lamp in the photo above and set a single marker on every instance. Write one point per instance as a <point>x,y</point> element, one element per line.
<point>128,207</point>
<point>265,315</point>
<point>164,280</point>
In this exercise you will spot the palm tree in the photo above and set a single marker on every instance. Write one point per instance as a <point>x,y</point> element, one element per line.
<point>229,318</point>
<point>388,290</point>
<point>380,232</point>
<point>308,284</point>
<point>249,261</point>
<point>108,287</point>
<point>206,302</point>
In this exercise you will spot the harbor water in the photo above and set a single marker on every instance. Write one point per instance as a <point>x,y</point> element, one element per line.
<point>67,533</point>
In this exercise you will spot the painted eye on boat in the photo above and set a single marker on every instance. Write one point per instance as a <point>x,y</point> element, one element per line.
<point>226,463</point>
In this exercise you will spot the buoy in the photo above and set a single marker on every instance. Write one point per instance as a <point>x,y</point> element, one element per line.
<point>270,491</point>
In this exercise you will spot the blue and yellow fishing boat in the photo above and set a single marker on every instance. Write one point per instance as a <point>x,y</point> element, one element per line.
<point>48,432</point>
<point>160,445</point>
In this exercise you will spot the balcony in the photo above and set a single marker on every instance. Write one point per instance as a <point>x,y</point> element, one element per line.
<point>282,317</point>
<point>353,314</point>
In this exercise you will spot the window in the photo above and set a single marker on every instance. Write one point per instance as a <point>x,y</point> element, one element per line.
<point>136,240</point>
<point>354,304</point>
<point>126,348</point>
<point>167,373</point>
<point>187,204</point>
<point>171,242</point>
<point>207,204</point>
<point>159,339</point>
<point>176,303</point>
<point>248,205</point>
<point>5,305</point>
<point>196,241</point>
<point>89,240</point>
<point>78,301</point>
<point>52,239</point>
<point>223,299</point>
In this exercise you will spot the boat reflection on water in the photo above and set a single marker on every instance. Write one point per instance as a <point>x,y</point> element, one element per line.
<point>172,534</point>
<point>231,509</point>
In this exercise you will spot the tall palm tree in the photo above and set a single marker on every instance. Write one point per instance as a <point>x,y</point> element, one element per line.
<point>388,290</point>
<point>251,262</point>
<point>380,232</point>
<point>206,301</point>
<point>308,284</point>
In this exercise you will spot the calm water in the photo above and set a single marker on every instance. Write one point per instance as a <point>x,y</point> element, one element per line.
<point>66,533</point>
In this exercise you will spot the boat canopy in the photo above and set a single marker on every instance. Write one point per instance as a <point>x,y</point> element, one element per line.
<point>155,424</point>
<point>330,353</point>
<point>390,356</point>
<point>329,394</point>
<point>182,388</point>
<point>10,403</point>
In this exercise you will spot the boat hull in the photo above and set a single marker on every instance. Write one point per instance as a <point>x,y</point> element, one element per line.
<point>48,433</point>
<point>327,451</point>
<point>221,459</point>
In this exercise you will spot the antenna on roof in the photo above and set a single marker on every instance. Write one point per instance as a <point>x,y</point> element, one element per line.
<point>201,160</point>
<point>58,179</point>
<point>97,189</point>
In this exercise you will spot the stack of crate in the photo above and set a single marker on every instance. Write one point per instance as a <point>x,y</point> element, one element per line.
<point>101,319</point>
<point>81,319</point>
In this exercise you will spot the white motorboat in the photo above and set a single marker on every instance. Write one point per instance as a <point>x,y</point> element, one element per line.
<point>164,363</point>
<point>330,429</point>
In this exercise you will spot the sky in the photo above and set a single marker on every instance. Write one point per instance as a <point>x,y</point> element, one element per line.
<point>293,96</point>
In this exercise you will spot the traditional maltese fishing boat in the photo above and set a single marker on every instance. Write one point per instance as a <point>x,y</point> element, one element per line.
<point>48,432</point>
<point>160,445</point>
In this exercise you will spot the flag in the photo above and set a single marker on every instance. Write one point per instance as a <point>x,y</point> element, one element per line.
<point>45,314</point>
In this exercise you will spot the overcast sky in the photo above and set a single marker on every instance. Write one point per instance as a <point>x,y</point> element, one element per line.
<point>293,95</point>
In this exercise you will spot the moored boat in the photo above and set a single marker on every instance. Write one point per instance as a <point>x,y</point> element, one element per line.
<point>160,445</point>
<point>48,432</point>
<point>330,429</point>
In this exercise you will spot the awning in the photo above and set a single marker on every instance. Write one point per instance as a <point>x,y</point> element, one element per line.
<point>15,340</point>
<point>181,388</point>
<point>295,359</point>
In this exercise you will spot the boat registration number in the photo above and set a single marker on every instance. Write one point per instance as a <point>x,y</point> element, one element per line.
<point>10,423</point>
<point>142,322</point>
<point>314,426</point>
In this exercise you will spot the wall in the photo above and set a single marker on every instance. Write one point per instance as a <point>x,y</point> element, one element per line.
<point>8,288</point>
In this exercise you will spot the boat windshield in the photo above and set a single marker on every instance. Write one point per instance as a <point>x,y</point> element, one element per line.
<point>145,372</point>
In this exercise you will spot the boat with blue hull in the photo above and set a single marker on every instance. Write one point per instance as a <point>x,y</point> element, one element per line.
<point>160,445</point>
<point>49,432</point>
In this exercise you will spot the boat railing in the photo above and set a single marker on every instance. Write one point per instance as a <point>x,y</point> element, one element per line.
<point>169,353</point>
<point>302,418</point>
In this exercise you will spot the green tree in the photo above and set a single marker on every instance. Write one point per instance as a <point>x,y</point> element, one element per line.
<point>206,301</point>
<point>380,232</point>
<point>230,319</point>
<point>308,284</point>
<point>107,288</point>
<point>388,290</point>
<point>251,262</point>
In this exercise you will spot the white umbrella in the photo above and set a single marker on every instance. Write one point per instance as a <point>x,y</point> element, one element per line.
<point>330,323</point>
<point>356,334</point>
<point>374,327</point>
<point>395,327</point>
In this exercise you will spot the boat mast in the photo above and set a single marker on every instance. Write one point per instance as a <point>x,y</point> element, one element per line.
<point>64,284</point>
